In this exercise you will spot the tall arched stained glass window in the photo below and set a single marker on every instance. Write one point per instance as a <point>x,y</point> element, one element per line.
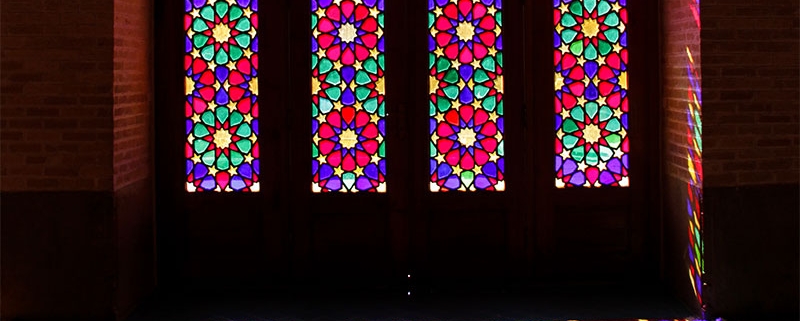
<point>221,88</point>
<point>347,94</point>
<point>591,93</point>
<point>465,47</point>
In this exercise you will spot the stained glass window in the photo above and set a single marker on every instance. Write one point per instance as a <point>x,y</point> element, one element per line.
<point>347,94</point>
<point>591,93</point>
<point>221,88</point>
<point>465,47</point>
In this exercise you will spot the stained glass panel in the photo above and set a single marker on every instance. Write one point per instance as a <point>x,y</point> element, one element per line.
<point>465,47</point>
<point>591,93</point>
<point>221,88</point>
<point>347,94</point>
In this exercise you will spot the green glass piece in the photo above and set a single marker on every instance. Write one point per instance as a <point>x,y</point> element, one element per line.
<point>443,104</point>
<point>223,163</point>
<point>325,65</point>
<point>199,40</point>
<point>244,145</point>
<point>451,77</point>
<point>333,93</point>
<point>603,7</point>
<point>314,110</point>
<point>314,61</point>
<point>362,93</point>
<point>380,19</point>
<point>488,64</point>
<point>325,105</point>
<point>612,20</point>
<point>591,109</point>
<point>235,13</point>
<point>207,53</point>
<point>431,108</point>
<point>568,21</point>
<point>481,91</point>
<point>433,150</point>
<point>200,145</point>
<point>569,141</point>
<point>577,154</point>
<point>605,113</point>
<point>371,105</point>
<point>577,113</point>
<point>590,5</point>
<point>606,153</point>
<point>442,64</point>
<point>236,158</point>
<point>590,52</point>
<point>612,34</point>
<point>489,104</point>
<point>480,76</point>
<point>501,149</point>
<point>349,179</point>
<point>499,58</point>
<point>371,66</point>
<point>592,158</point>
<point>236,52</point>
<point>499,18</point>
<point>243,40</point>
<point>236,118</point>
<point>576,8</point>
<point>576,48</point>
<point>568,35</point>
<point>200,131</point>
<point>208,118</point>
<point>207,13</point>
<point>333,78</point>
<point>199,25</point>
<point>381,62</point>
<point>314,21</point>
<point>569,126</point>
<point>362,78</point>
<point>208,158</point>
<point>382,150</point>
<point>431,60</point>
<point>314,151</point>
<point>451,92</point>
<point>500,108</point>
<point>467,177</point>
<point>221,7</point>
<point>243,25</point>
<point>431,19</point>
<point>221,57</point>
<point>613,140</point>
<point>244,131</point>
<point>222,113</point>
<point>613,125</point>
<point>382,109</point>
<point>604,47</point>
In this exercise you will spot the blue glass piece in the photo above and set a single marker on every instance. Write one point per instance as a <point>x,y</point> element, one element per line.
<point>335,183</point>
<point>371,171</point>
<point>208,183</point>
<point>246,171</point>
<point>237,183</point>
<point>490,169</point>
<point>482,182</point>
<point>569,167</point>
<point>578,179</point>
<point>348,98</point>
<point>325,171</point>
<point>363,184</point>
<point>590,67</point>
<point>452,182</point>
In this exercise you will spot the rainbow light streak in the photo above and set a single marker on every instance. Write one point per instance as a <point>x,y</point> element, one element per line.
<point>695,185</point>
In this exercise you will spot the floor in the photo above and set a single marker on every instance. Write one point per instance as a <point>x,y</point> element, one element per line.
<point>544,305</point>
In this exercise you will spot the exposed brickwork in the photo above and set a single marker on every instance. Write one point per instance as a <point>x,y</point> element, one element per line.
<point>56,95</point>
<point>681,33</point>
<point>133,96</point>
<point>750,92</point>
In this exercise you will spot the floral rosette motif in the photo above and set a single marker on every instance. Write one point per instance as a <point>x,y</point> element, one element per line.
<point>466,90</point>
<point>347,87</point>
<point>221,111</point>
<point>591,91</point>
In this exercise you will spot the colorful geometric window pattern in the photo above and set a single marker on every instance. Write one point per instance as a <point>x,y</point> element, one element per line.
<point>347,92</point>
<point>466,95</point>
<point>221,83</point>
<point>591,93</point>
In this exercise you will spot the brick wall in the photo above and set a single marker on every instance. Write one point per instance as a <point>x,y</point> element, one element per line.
<point>751,90</point>
<point>132,91</point>
<point>56,95</point>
